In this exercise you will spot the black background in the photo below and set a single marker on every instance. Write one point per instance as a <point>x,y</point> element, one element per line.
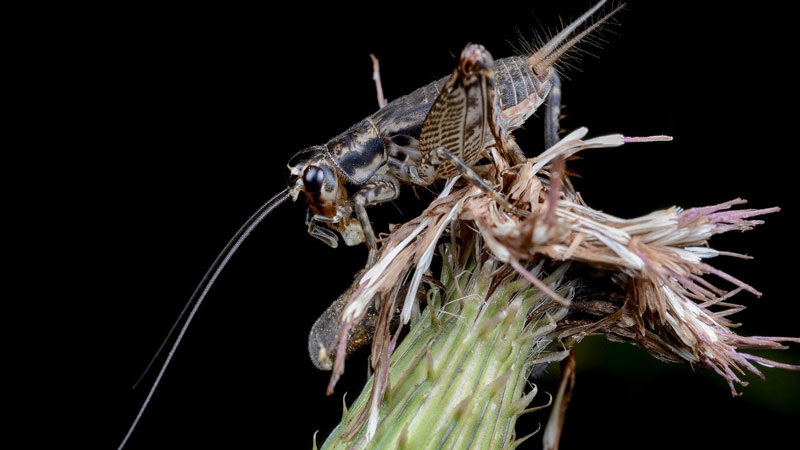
<point>177,123</point>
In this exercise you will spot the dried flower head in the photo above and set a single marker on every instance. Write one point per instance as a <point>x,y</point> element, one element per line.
<point>654,290</point>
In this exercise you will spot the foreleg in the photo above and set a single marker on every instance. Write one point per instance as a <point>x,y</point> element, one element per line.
<point>381,188</point>
<point>322,233</point>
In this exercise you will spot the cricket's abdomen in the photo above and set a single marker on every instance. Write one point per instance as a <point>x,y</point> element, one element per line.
<point>515,81</point>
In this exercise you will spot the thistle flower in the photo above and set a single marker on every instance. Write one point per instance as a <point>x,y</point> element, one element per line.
<point>516,293</point>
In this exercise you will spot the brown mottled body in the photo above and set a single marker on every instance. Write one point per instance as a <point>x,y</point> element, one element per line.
<point>477,106</point>
<point>436,132</point>
<point>322,338</point>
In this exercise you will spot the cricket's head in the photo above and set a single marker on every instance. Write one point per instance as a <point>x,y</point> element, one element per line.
<point>314,174</point>
<point>475,61</point>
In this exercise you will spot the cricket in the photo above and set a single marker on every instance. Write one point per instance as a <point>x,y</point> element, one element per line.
<point>437,132</point>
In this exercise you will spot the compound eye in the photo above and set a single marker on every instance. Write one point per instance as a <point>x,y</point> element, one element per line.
<point>313,177</point>
<point>474,58</point>
<point>468,66</point>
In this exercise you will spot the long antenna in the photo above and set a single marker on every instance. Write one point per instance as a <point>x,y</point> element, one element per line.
<point>205,284</point>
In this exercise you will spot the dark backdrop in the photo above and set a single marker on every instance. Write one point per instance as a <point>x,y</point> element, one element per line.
<point>183,120</point>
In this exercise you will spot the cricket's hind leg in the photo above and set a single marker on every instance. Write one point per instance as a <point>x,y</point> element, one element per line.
<point>552,112</point>
<point>474,179</point>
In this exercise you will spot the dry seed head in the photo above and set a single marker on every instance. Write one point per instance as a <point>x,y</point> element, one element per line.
<point>660,300</point>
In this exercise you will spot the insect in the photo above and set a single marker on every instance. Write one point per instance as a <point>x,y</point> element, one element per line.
<point>436,132</point>
<point>396,145</point>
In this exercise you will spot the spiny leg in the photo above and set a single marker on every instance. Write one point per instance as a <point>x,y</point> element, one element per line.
<point>552,127</point>
<point>552,112</point>
<point>476,180</point>
<point>515,152</point>
<point>381,188</point>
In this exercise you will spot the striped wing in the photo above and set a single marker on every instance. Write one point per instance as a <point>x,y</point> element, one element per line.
<point>459,120</point>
